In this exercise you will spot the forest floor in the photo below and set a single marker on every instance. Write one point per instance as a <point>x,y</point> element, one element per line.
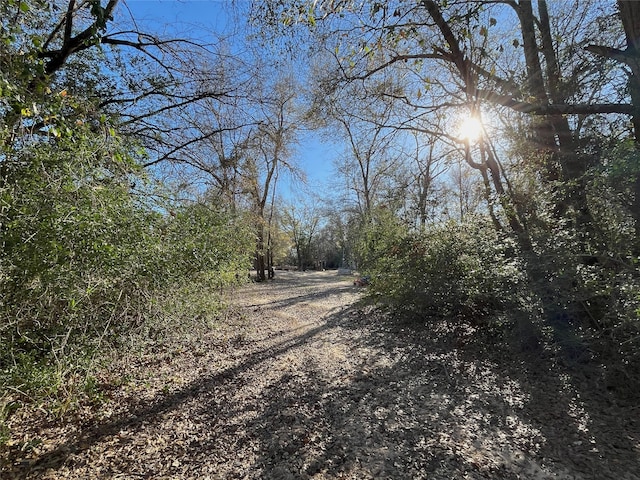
<point>300,381</point>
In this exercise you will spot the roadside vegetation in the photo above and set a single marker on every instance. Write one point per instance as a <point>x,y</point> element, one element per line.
<point>98,256</point>
<point>489,174</point>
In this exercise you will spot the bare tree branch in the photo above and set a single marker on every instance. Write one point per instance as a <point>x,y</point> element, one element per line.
<point>554,109</point>
<point>189,142</point>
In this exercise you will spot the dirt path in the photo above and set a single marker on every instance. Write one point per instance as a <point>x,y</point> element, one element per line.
<point>301,384</point>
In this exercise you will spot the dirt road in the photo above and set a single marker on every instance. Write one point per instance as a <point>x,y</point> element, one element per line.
<point>299,383</point>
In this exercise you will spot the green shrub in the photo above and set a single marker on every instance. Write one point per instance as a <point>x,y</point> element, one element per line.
<point>453,269</point>
<point>86,260</point>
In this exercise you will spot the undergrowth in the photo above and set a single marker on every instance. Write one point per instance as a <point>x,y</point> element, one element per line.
<point>59,377</point>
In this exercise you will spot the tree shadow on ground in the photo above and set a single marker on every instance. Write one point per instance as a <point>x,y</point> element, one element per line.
<point>315,286</point>
<point>303,298</point>
<point>144,414</point>
<point>535,413</point>
<point>438,401</point>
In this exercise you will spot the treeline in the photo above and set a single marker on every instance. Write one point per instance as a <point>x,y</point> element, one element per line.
<point>100,246</point>
<point>491,169</point>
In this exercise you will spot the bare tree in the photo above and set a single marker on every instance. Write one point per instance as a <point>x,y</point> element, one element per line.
<point>147,87</point>
<point>266,154</point>
<point>428,162</point>
<point>301,222</point>
<point>360,118</point>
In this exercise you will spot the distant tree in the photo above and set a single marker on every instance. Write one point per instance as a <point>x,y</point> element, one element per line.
<point>329,244</point>
<point>301,222</point>
<point>265,154</point>
<point>369,157</point>
<point>428,163</point>
<point>466,190</point>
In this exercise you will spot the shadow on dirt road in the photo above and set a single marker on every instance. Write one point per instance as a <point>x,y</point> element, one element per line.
<point>314,386</point>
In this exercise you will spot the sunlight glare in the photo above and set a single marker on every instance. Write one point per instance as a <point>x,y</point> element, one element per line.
<point>471,129</point>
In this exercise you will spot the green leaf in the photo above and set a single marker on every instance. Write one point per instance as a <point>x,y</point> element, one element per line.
<point>24,7</point>
<point>311,17</point>
<point>36,40</point>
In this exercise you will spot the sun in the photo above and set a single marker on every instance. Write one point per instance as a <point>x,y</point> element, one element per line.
<point>471,129</point>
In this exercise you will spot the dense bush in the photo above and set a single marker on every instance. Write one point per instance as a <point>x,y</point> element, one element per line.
<point>86,260</point>
<point>583,267</point>
<point>90,256</point>
<point>573,284</point>
<point>452,269</point>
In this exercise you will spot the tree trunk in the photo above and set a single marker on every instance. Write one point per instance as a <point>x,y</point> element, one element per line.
<point>424,182</point>
<point>553,135</point>
<point>573,165</point>
<point>544,137</point>
<point>630,16</point>
<point>260,256</point>
<point>505,201</point>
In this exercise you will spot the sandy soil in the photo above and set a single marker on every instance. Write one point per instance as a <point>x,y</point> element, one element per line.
<point>300,383</point>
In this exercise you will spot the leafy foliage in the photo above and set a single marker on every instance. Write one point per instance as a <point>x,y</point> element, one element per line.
<point>453,269</point>
<point>89,254</point>
<point>83,256</point>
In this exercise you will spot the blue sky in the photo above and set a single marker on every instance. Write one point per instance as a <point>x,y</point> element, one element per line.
<point>196,17</point>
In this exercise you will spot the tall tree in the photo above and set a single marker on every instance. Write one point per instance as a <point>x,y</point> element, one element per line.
<point>369,158</point>
<point>266,154</point>
<point>457,52</point>
<point>628,57</point>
